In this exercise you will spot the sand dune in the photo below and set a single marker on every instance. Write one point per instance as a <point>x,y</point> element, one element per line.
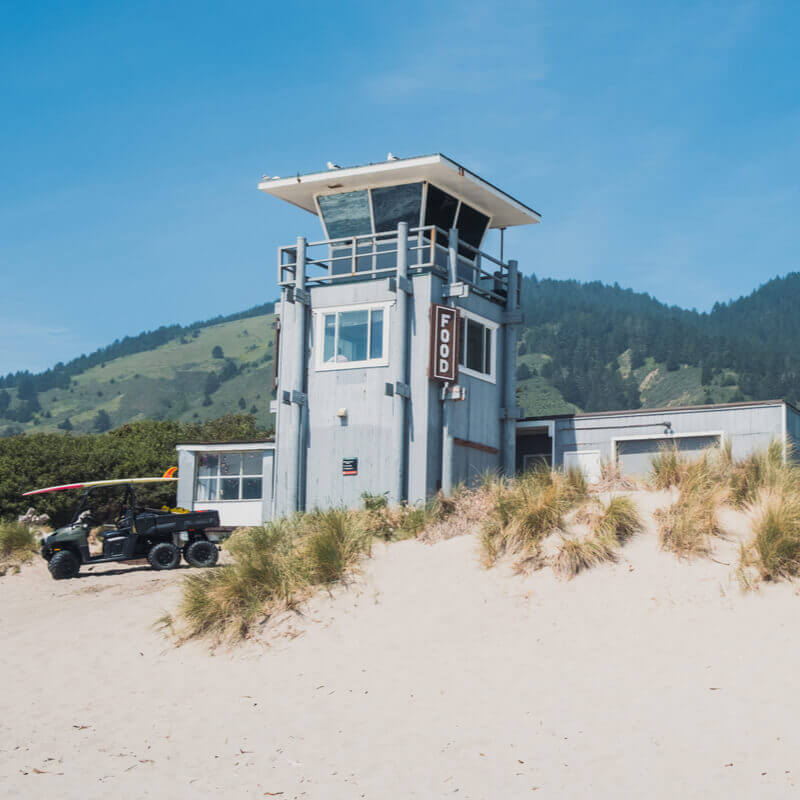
<point>428,677</point>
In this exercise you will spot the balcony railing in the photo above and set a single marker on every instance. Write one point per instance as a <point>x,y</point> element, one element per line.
<point>374,255</point>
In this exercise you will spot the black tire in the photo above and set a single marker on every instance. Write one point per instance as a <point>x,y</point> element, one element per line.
<point>202,553</point>
<point>164,555</point>
<point>64,565</point>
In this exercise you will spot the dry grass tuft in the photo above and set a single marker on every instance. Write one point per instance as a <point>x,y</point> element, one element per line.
<point>18,544</point>
<point>775,548</point>
<point>526,510</point>
<point>274,567</point>
<point>762,470</point>
<point>612,479</point>
<point>575,555</point>
<point>688,525</point>
<point>396,523</point>
<point>333,543</point>
<point>667,468</point>
<point>619,519</point>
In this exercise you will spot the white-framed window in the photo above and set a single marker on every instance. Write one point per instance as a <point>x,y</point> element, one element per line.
<point>477,346</point>
<point>354,336</point>
<point>229,476</point>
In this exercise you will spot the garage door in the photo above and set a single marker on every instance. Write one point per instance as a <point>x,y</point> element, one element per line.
<point>635,455</point>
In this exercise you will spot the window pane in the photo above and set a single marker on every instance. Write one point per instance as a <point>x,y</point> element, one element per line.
<point>330,337</point>
<point>474,345</point>
<point>440,209</point>
<point>471,225</point>
<point>376,334</point>
<point>207,465</point>
<point>487,352</point>
<point>206,489</point>
<point>352,336</point>
<point>346,214</point>
<point>230,464</point>
<point>462,340</point>
<point>251,488</point>
<point>252,463</point>
<point>342,259</point>
<point>392,205</point>
<point>229,489</point>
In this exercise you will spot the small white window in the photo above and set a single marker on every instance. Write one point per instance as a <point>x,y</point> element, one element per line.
<point>478,346</point>
<point>352,336</point>
<point>229,476</point>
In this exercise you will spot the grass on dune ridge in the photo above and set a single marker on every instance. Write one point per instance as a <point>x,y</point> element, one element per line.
<point>18,544</point>
<point>275,566</point>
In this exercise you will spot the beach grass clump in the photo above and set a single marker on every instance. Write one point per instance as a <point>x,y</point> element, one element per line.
<point>18,544</point>
<point>619,519</point>
<point>765,469</point>
<point>333,542</point>
<point>687,527</point>
<point>775,548</point>
<point>396,523</point>
<point>612,479</point>
<point>667,468</point>
<point>272,568</point>
<point>523,511</point>
<point>580,553</point>
<point>265,576</point>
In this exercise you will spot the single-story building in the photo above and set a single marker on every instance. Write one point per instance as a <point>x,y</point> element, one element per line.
<point>233,478</point>
<point>632,438</point>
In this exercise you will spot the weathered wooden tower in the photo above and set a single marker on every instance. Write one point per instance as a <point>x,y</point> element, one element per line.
<point>395,364</point>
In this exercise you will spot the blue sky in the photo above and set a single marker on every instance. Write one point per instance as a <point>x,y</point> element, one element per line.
<point>661,143</point>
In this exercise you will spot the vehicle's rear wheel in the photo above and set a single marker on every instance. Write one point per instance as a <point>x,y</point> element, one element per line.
<point>164,555</point>
<point>64,565</point>
<point>202,553</point>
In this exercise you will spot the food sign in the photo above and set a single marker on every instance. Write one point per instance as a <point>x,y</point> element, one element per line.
<point>444,344</point>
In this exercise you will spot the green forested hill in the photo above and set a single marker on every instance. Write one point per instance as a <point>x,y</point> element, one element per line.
<point>584,347</point>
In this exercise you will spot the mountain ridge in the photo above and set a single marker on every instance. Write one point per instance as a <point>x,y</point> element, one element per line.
<point>584,346</point>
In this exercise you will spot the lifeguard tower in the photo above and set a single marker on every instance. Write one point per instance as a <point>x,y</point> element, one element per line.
<point>395,359</point>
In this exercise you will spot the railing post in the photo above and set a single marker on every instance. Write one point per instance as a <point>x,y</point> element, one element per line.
<point>452,255</point>
<point>510,377</point>
<point>400,358</point>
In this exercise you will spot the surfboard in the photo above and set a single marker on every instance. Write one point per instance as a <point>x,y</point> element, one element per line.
<point>169,475</point>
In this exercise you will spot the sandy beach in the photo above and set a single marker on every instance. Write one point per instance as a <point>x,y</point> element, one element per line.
<point>428,677</point>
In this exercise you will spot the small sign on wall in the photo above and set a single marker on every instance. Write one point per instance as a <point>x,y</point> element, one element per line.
<point>444,344</point>
<point>349,466</point>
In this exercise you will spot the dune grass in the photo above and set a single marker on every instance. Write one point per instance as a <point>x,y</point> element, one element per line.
<point>526,510</point>
<point>688,526</point>
<point>18,544</point>
<point>396,523</point>
<point>578,554</point>
<point>775,548</point>
<point>273,567</point>
<point>765,469</point>
<point>612,524</point>
<point>619,519</point>
<point>333,543</point>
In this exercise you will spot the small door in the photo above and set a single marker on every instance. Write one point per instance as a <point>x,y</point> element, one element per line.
<point>588,461</point>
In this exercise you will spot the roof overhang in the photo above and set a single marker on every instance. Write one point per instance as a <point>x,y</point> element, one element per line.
<point>503,209</point>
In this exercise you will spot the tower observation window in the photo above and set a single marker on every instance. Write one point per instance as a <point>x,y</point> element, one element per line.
<point>346,214</point>
<point>352,337</point>
<point>392,205</point>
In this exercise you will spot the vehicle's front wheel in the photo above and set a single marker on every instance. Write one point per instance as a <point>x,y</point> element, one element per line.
<point>63,565</point>
<point>202,553</point>
<point>164,555</point>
